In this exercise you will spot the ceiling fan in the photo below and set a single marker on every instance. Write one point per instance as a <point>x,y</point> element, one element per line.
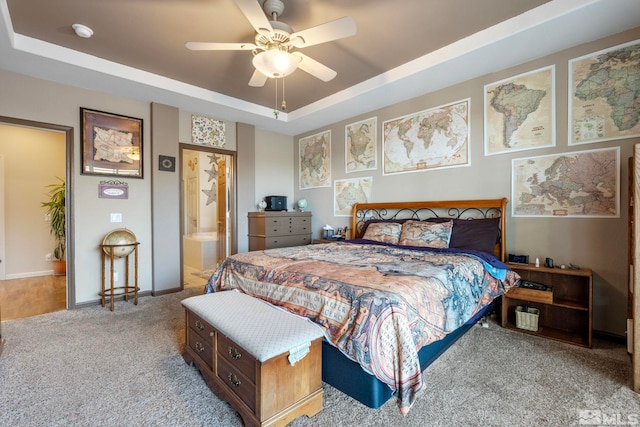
<point>273,52</point>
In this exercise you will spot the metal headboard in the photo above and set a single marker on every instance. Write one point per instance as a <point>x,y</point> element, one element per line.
<point>455,209</point>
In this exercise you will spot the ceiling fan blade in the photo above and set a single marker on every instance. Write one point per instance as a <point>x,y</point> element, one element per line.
<point>329,31</point>
<point>315,68</point>
<point>219,46</point>
<point>252,10</point>
<point>257,79</point>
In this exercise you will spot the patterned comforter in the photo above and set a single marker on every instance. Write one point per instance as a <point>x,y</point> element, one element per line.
<point>378,304</point>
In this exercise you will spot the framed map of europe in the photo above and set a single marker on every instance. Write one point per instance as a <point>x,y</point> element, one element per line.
<point>578,184</point>
<point>604,95</point>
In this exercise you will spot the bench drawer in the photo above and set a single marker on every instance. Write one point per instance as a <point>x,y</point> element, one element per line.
<point>200,326</point>
<point>201,347</point>
<point>236,382</point>
<point>241,360</point>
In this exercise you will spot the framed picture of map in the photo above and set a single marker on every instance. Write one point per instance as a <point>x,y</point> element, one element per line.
<point>346,192</point>
<point>361,145</point>
<point>431,139</point>
<point>604,95</point>
<point>579,184</point>
<point>519,112</point>
<point>111,144</point>
<point>315,160</point>
<point>207,131</point>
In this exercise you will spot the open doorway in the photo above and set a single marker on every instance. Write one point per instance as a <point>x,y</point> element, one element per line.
<point>35,155</point>
<point>208,206</point>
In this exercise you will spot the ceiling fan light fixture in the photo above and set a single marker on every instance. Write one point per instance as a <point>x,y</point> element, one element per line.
<point>276,63</point>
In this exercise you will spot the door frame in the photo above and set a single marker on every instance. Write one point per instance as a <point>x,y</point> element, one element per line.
<point>70,181</point>
<point>634,290</point>
<point>232,180</point>
<point>3,273</point>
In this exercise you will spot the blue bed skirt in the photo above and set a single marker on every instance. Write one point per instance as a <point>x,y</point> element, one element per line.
<point>348,377</point>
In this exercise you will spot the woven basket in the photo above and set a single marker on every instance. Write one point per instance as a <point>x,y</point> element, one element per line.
<point>527,318</point>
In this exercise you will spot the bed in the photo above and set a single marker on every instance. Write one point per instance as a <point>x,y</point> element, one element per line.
<point>414,278</point>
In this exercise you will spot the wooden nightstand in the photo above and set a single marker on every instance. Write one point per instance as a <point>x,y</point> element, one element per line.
<point>565,313</point>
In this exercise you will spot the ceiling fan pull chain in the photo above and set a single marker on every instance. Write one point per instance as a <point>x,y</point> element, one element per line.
<point>283,107</point>
<point>275,109</point>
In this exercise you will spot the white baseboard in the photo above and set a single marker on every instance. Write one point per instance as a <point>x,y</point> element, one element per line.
<point>29,274</point>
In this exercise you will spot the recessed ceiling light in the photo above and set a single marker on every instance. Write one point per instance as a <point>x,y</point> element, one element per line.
<point>82,30</point>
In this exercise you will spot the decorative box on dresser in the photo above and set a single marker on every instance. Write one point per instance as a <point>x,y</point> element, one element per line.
<point>274,229</point>
<point>565,311</point>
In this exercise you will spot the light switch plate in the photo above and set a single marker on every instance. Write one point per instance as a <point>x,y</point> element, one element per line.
<point>116,217</point>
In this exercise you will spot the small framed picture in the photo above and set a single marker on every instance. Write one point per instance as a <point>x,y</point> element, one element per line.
<point>167,163</point>
<point>111,144</point>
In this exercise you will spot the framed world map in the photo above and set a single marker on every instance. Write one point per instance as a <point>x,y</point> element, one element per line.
<point>519,112</point>
<point>578,184</point>
<point>604,94</point>
<point>430,139</point>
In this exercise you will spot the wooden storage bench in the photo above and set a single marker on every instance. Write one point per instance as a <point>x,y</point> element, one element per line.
<point>266,363</point>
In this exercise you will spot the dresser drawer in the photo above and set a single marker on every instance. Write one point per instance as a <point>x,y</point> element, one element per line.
<point>236,382</point>
<point>199,326</point>
<point>201,347</point>
<point>284,230</point>
<point>287,220</point>
<point>287,241</point>
<point>237,357</point>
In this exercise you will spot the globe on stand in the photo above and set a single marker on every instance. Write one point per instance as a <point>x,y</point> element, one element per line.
<point>119,236</point>
<point>302,205</point>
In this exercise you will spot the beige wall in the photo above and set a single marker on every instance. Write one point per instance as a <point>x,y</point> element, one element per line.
<point>275,154</point>
<point>42,101</point>
<point>266,164</point>
<point>600,244</point>
<point>33,159</point>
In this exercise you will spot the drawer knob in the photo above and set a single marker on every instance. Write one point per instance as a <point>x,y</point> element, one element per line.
<point>234,353</point>
<point>199,346</point>
<point>199,325</point>
<point>233,379</point>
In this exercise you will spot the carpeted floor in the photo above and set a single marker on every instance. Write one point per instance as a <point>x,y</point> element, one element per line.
<point>92,367</point>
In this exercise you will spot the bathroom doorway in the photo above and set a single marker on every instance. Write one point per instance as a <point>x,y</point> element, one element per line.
<point>208,211</point>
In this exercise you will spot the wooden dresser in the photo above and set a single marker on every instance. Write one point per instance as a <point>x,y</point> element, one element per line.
<point>268,230</point>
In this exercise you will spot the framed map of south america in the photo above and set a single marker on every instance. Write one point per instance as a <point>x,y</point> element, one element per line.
<point>519,112</point>
<point>604,95</point>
